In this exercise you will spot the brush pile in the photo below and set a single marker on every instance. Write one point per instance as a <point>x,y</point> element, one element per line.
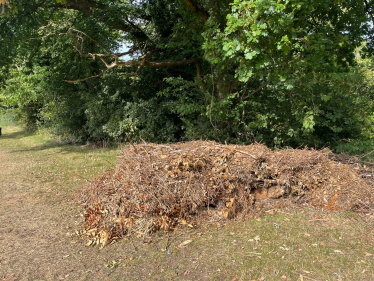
<point>162,186</point>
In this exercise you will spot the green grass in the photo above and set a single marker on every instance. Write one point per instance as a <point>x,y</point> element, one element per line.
<point>307,244</point>
<point>56,167</point>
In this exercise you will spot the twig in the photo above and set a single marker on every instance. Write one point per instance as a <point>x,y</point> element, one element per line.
<point>253,253</point>
<point>111,163</point>
<point>149,156</point>
<point>304,276</point>
<point>173,148</point>
<point>365,204</point>
<point>127,135</point>
<point>211,102</point>
<point>280,159</point>
<point>242,190</point>
<point>189,185</point>
<point>168,242</point>
<point>144,141</point>
<point>362,156</point>
<point>79,176</point>
<point>259,88</point>
<point>245,153</point>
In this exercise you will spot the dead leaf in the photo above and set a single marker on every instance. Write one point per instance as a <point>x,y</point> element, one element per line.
<point>230,202</point>
<point>183,222</point>
<point>322,244</point>
<point>184,243</point>
<point>368,254</point>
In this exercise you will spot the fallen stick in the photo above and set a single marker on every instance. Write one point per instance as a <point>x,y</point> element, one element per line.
<point>304,276</point>
<point>245,153</point>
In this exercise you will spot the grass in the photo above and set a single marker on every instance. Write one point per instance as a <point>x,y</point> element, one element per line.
<point>281,245</point>
<point>65,166</point>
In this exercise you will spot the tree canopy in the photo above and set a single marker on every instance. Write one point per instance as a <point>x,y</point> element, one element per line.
<point>283,72</point>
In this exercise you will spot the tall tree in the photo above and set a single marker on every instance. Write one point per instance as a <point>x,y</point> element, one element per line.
<point>237,60</point>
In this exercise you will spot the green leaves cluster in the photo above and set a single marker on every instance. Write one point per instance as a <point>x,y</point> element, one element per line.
<point>288,72</point>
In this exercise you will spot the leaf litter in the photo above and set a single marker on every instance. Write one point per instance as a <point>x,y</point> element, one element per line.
<point>157,187</point>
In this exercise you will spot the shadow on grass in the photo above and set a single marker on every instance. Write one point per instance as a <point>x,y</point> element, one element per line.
<point>46,144</point>
<point>14,135</point>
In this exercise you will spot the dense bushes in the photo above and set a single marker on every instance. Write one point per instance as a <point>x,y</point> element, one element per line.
<point>340,108</point>
<point>283,73</point>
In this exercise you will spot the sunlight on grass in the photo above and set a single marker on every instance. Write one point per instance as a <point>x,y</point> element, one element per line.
<point>64,167</point>
<point>281,245</point>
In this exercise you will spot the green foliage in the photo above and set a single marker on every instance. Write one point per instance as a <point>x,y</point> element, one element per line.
<point>363,148</point>
<point>271,40</point>
<point>316,112</point>
<point>7,117</point>
<point>280,72</point>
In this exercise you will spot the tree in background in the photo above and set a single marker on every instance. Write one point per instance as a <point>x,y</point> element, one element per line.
<point>283,72</point>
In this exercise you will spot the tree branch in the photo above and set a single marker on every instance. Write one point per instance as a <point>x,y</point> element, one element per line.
<point>141,64</point>
<point>86,6</point>
<point>252,93</point>
<point>197,9</point>
<point>259,88</point>
<point>88,78</point>
<point>78,40</point>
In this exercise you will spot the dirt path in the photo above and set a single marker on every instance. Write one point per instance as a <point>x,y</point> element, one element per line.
<point>37,219</point>
<point>33,240</point>
<point>33,245</point>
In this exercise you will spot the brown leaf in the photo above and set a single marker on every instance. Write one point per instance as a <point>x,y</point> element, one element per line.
<point>185,243</point>
<point>230,203</point>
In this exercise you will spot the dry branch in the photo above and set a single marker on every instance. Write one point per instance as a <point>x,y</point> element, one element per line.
<point>159,187</point>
